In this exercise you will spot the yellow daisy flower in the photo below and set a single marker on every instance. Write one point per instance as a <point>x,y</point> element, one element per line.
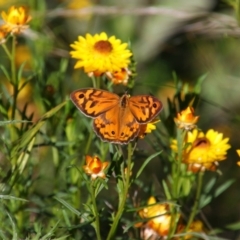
<point>203,151</point>
<point>95,167</point>
<point>99,54</point>
<point>186,119</point>
<point>15,20</point>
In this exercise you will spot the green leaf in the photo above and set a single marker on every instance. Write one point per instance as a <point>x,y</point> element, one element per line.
<point>209,185</point>
<point>233,226</point>
<point>100,185</point>
<point>204,200</point>
<point>3,123</point>
<point>20,71</point>
<point>53,111</point>
<point>186,186</point>
<point>51,232</point>
<point>12,198</point>
<point>68,206</point>
<point>14,229</point>
<point>166,190</point>
<point>28,135</point>
<point>5,72</point>
<point>146,162</point>
<point>24,156</point>
<point>223,187</point>
<point>198,85</point>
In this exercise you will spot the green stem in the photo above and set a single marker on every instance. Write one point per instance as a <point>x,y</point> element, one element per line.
<point>176,177</point>
<point>98,82</point>
<point>95,210</point>
<point>122,195</point>
<point>94,81</point>
<point>177,167</point>
<point>7,51</point>
<point>88,142</point>
<point>14,79</point>
<point>196,202</point>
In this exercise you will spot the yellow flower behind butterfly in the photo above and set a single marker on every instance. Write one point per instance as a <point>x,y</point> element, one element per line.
<point>147,128</point>
<point>203,151</point>
<point>119,77</point>
<point>16,20</point>
<point>98,54</point>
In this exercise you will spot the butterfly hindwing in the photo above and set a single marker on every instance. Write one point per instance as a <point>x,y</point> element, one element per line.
<point>112,126</point>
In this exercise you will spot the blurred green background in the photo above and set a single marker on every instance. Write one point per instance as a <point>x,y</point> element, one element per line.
<point>188,38</point>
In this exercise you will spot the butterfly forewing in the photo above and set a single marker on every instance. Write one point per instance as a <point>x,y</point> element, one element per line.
<point>144,107</point>
<point>93,102</point>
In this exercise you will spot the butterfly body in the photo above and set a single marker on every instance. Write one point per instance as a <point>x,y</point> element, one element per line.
<point>116,119</point>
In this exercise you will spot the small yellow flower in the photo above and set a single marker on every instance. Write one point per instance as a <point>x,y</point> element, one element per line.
<point>159,219</point>
<point>147,128</point>
<point>99,54</point>
<point>76,4</point>
<point>203,151</point>
<point>15,20</point>
<point>238,152</point>
<point>23,56</point>
<point>95,167</point>
<point>186,119</point>
<point>119,77</point>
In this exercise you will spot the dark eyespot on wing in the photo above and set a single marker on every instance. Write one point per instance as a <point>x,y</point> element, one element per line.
<point>81,95</point>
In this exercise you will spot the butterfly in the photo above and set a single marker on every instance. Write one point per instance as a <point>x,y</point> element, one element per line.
<point>116,119</point>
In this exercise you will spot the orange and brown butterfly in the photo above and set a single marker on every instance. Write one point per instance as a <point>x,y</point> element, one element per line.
<point>116,119</point>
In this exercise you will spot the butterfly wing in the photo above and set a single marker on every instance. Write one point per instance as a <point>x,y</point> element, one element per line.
<point>117,125</point>
<point>93,102</point>
<point>144,107</point>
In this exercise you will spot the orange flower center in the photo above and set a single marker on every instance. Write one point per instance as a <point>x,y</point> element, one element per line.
<point>201,143</point>
<point>103,47</point>
<point>95,166</point>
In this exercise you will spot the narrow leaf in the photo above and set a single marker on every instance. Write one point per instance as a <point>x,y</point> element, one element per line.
<point>50,233</point>
<point>12,198</point>
<point>3,123</point>
<point>5,72</point>
<point>146,162</point>
<point>67,205</point>
<point>223,187</point>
